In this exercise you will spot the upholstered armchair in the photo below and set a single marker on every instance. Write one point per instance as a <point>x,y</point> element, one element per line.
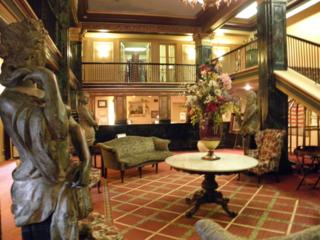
<point>210,230</point>
<point>268,153</point>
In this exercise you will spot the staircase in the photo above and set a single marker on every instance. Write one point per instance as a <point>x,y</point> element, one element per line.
<point>299,87</point>
<point>301,82</point>
<point>303,126</point>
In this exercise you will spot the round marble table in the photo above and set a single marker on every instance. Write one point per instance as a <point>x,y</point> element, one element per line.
<point>227,164</point>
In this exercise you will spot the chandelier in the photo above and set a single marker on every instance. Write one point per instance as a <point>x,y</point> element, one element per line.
<point>206,3</point>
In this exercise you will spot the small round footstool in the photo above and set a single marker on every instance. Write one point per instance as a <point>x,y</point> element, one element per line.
<point>95,178</point>
<point>95,227</point>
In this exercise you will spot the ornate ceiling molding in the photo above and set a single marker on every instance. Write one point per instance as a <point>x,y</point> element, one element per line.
<point>205,19</point>
<point>214,18</point>
<point>141,28</point>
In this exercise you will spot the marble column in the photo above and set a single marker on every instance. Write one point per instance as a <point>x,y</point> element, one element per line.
<point>273,104</point>
<point>203,50</point>
<point>63,43</point>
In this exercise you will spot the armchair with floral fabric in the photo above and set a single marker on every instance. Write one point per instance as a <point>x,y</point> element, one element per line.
<point>268,153</point>
<point>210,230</point>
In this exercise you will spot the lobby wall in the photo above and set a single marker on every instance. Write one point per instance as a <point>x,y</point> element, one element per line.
<point>306,24</point>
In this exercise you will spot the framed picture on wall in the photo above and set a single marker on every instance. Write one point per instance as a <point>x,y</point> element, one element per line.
<point>102,103</point>
<point>234,125</point>
<point>136,109</point>
<point>183,116</point>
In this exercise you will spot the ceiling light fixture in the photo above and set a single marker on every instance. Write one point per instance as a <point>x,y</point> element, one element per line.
<point>135,49</point>
<point>206,3</point>
<point>248,12</point>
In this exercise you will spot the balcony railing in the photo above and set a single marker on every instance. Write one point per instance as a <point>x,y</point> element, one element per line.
<point>304,57</point>
<point>240,58</point>
<point>137,72</point>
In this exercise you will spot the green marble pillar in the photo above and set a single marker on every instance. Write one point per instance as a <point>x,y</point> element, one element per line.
<point>203,49</point>
<point>63,43</point>
<point>76,59</point>
<point>271,26</point>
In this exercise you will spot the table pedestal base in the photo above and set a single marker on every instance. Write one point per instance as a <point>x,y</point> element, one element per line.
<point>208,195</point>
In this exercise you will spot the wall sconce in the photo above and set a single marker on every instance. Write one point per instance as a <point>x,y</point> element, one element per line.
<point>103,49</point>
<point>247,87</point>
<point>191,53</point>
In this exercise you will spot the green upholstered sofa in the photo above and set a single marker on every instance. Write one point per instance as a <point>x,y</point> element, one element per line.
<point>133,151</point>
<point>210,230</point>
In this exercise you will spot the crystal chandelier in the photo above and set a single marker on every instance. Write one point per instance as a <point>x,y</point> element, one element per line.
<point>206,3</point>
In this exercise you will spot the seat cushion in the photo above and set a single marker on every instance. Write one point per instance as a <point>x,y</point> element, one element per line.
<point>271,145</point>
<point>155,155</point>
<point>140,158</point>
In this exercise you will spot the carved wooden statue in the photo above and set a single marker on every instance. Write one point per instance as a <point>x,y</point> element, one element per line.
<point>250,122</point>
<point>44,191</point>
<point>86,119</point>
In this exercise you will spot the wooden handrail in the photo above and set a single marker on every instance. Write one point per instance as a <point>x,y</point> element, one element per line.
<point>236,49</point>
<point>140,63</point>
<point>304,40</point>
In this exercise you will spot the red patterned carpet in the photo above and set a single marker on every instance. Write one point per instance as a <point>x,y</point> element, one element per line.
<point>153,207</point>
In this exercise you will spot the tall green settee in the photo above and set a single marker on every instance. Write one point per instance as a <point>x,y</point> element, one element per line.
<point>210,230</point>
<point>133,151</point>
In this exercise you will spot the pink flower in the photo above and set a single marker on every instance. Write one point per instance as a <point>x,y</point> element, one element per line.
<point>211,107</point>
<point>205,69</point>
<point>220,98</point>
<point>226,80</point>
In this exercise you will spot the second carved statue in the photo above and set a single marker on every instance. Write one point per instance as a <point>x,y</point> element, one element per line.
<point>250,123</point>
<point>86,119</point>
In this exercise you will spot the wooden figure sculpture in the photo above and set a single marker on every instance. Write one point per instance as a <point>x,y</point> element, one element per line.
<point>86,119</point>
<point>45,188</point>
<point>250,122</point>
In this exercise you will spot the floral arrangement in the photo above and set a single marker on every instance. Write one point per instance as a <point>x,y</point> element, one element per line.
<point>209,97</point>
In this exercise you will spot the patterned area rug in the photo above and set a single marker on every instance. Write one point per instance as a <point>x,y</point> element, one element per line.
<point>154,207</point>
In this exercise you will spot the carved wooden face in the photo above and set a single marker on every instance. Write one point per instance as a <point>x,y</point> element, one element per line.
<point>22,46</point>
<point>251,98</point>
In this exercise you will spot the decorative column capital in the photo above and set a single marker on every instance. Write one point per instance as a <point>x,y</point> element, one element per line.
<point>199,38</point>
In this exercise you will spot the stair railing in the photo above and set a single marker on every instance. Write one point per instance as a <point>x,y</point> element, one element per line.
<point>304,57</point>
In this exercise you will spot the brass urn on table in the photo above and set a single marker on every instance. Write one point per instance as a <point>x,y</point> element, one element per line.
<point>210,136</point>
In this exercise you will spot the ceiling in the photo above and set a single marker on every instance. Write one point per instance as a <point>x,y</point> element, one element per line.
<point>166,16</point>
<point>163,8</point>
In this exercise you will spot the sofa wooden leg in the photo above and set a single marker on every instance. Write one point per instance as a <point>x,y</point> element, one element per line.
<point>140,172</point>
<point>104,172</point>
<point>156,167</point>
<point>95,160</point>
<point>122,175</point>
<point>316,183</point>
<point>99,185</point>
